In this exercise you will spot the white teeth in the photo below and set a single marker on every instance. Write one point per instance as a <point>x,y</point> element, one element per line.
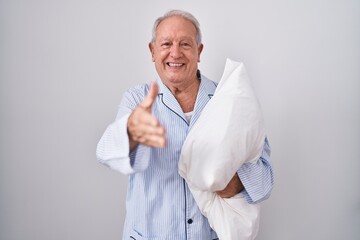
<point>175,64</point>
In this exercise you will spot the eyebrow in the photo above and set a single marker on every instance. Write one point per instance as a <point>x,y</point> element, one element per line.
<point>181,39</point>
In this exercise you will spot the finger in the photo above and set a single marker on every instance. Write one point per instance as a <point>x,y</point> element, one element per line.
<point>153,137</point>
<point>154,141</point>
<point>147,120</point>
<point>141,132</point>
<point>224,194</point>
<point>148,130</point>
<point>141,117</point>
<point>151,97</point>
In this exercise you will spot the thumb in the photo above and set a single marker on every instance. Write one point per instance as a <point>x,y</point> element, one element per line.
<point>151,97</point>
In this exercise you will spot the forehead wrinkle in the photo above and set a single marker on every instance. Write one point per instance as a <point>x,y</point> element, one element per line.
<point>177,39</point>
<point>175,30</point>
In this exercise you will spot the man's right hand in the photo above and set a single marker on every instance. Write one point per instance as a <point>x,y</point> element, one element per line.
<point>142,126</point>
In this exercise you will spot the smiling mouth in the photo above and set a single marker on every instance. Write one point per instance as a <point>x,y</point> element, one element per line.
<point>175,64</point>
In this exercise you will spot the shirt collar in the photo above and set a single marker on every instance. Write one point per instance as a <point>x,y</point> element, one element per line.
<point>206,91</point>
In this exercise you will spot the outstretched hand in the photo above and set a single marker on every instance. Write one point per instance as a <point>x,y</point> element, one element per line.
<point>142,126</point>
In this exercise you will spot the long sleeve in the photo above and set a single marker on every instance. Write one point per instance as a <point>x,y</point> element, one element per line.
<point>113,147</point>
<point>257,177</point>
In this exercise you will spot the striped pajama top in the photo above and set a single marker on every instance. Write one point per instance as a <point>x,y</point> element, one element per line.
<point>159,204</point>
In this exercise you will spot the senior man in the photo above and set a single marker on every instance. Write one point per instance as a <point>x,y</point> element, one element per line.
<point>146,138</point>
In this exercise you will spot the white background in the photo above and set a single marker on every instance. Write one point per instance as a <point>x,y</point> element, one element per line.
<point>65,64</point>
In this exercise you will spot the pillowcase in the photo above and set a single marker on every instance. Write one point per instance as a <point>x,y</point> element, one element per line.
<point>229,132</point>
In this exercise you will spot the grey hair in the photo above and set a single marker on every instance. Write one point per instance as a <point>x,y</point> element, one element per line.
<point>186,15</point>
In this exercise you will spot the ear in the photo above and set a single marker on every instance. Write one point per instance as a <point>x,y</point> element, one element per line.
<point>200,48</point>
<point>151,48</point>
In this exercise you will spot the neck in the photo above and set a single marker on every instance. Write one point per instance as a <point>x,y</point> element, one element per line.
<point>186,94</point>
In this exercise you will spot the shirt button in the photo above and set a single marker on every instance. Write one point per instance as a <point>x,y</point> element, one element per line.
<point>190,221</point>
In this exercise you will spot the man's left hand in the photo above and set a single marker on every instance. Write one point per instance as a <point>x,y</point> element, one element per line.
<point>234,187</point>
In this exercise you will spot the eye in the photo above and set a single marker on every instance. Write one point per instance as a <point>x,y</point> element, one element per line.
<point>165,44</point>
<point>185,45</point>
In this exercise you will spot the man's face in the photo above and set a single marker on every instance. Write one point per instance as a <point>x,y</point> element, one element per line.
<point>175,51</point>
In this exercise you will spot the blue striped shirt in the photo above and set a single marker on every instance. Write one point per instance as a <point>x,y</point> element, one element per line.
<point>159,204</point>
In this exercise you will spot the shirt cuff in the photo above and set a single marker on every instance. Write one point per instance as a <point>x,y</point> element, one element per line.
<point>113,149</point>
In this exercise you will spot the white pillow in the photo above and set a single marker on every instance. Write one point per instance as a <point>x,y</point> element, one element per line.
<point>229,132</point>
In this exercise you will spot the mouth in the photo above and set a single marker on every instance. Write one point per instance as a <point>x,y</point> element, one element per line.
<point>175,65</point>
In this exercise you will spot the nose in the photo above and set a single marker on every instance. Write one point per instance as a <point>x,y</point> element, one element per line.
<point>175,51</point>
